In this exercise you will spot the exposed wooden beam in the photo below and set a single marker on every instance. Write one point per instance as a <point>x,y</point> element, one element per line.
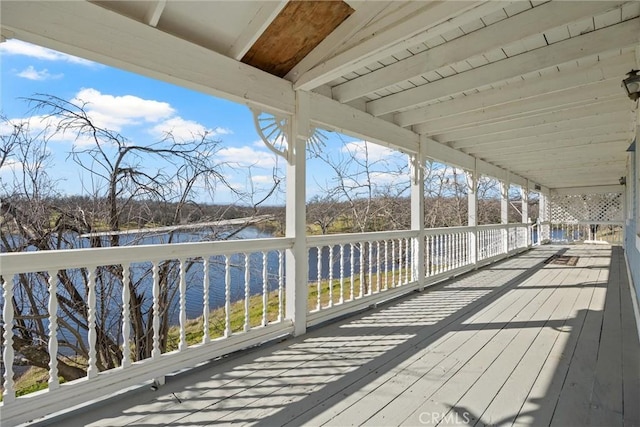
<point>434,19</point>
<point>525,24</point>
<point>88,30</point>
<point>597,93</point>
<point>615,104</point>
<point>599,41</point>
<point>332,115</point>
<point>155,11</point>
<point>574,77</point>
<point>360,18</point>
<point>266,14</point>
<point>543,163</point>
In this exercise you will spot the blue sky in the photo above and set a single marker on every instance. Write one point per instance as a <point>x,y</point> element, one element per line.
<point>142,109</point>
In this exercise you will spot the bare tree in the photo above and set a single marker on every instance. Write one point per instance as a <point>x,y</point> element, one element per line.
<point>125,184</point>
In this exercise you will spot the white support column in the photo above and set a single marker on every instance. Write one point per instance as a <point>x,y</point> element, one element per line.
<point>472,214</point>
<point>504,213</point>
<point>296,223</point>
<point>543,214</point>
<point>524,200</point>
<point>417,216</point>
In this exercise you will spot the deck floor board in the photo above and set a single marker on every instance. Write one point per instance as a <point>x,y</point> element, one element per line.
<point>518,342</point>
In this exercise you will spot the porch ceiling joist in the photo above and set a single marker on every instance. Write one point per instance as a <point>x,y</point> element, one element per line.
<point>525,24</point>
<point>266,14</point>
<point>432,20</point>
<point>593,43</point>
<point>566,79</point>
<point>58,25</point>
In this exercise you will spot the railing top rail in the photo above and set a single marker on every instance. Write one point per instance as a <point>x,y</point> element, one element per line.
<point>503,226</point>
<point>343,238</point>
<point>22,262</point>
<point>586,222</point>
<point>445,230</point>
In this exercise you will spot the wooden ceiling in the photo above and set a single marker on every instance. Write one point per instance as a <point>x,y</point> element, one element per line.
<point>295,32</point>
<point>530,89</point>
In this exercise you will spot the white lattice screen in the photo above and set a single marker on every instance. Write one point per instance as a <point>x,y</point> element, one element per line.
<point>605,207</point>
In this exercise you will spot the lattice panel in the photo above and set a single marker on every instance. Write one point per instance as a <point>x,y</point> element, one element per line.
<point>587,208</point>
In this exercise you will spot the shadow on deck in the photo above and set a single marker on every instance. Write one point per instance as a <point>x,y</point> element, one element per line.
<point>519,342</point>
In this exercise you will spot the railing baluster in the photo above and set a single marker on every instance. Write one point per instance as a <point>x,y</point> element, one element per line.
<point>370,287</point>
<point>206,336</point>
<point>407,260</point>
<point>352,268</point>
<point>319,285</point>
<point>330,276</point>
<point>378,272</point>
<point>386,265</point>
<point>393,263</point>
<point>156,310</point>
<point>183,306</point>
<point>265,289</point>
<point>247,291</point>
<point>126,317</point>
<point>362,249</point>
<point>341,273</point>
<point>400,263</point>
<point>53,330</point>
<point>92,369</point>
<point>227,296</point>
<point>9,393</point>
<point>280,286</point>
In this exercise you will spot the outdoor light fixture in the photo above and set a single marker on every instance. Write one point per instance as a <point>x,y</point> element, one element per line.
<point>623,180</point>
<point>632,85</point>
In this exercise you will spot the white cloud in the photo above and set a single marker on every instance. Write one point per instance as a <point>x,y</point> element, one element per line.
<point>246,156</point>
<point>17,47</point>
<point>185,130</point>
<point>115,112</point>
<point>31,73</point>
<point>375,152</point>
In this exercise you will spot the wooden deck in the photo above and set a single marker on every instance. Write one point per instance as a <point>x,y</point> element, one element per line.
<point>518,343</point>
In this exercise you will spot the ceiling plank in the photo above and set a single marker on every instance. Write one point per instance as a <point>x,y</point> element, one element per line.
<point>155,54</point>
<point>266,14</point>
<point>559,130</point>
<point>603,40</point>
<point>607,105</point>
<point>434,19</point>
<point>558,146</point>
<point>596,93</point>
<point>534,123</point>
<point>575,77</point>
<point>531,22</point>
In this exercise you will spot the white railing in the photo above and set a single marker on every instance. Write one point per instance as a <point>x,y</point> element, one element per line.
<point>607,232</point>
<point>201,269</point>
<point>347,272</point>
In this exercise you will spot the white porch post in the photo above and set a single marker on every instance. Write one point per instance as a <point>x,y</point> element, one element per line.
<point>472,214</point>
<point>524,200</point>
<point>417,216</point>
<point>543,214</point>
<point>504,213</point>
<point>296,223</point>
